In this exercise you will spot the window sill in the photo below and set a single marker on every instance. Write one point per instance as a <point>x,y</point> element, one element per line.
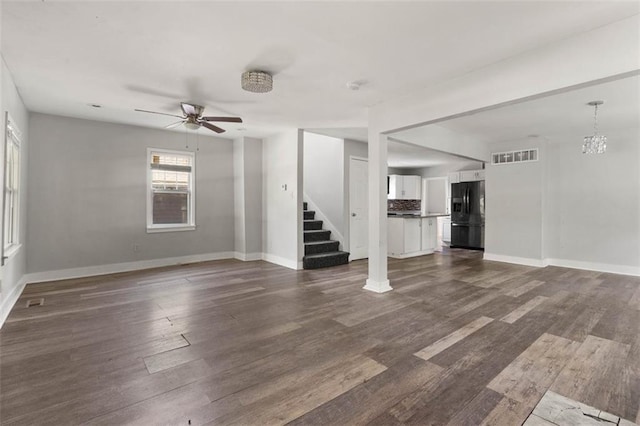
<point>11,251</point>
<point>180,228</point>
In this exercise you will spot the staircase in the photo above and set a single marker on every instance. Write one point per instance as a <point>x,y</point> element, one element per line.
<point>319,250</point>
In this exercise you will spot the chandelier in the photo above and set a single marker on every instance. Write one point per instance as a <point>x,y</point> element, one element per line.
<point>257,81</point>
<point>596,144</point>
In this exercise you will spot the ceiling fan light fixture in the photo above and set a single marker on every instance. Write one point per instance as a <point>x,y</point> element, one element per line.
<point>257,81</point>
<point>191,125</point>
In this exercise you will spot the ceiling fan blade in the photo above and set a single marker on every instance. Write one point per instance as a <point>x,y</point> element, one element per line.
<point>225,119</point>
<point>211,127</point>
<point>172,125</point>
<point>188,109</point>
<point>160,113</point>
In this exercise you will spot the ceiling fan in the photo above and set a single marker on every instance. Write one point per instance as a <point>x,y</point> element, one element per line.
<point>193,118</point>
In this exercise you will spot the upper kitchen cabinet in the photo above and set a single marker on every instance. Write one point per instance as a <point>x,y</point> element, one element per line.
<point>471,175</point>
<point>466,176</point>
<point>404,187</point>
<point>435,195</point>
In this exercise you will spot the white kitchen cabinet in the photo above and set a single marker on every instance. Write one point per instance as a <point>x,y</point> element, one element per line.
<point>412,235</point>
<point>428,232</point>
<point>435,193</point>
<point>454,177</point>
<point>446,230</point>
<point>404,187</point>
<point>466,176</point>
<point>471,175</point>
<point>408,237</point>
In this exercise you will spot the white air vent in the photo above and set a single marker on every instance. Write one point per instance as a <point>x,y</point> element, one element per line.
<point>514,156</point>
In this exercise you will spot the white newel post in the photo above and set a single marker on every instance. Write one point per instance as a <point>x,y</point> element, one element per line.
<point>378,280</point>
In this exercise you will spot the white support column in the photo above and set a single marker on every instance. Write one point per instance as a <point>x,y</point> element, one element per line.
<point>378,280</point>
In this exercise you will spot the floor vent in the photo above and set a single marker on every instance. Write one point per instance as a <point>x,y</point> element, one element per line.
<point>522,156</point>
<point>35,302</point>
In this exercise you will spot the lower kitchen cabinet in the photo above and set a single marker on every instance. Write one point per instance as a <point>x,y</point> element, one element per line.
<point>429,231</point>
<point>409,237</point>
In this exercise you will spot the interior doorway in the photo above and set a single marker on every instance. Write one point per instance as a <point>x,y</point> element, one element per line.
<point>358,208</point>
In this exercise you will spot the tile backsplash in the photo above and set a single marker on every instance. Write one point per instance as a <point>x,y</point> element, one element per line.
<point>402,205</point>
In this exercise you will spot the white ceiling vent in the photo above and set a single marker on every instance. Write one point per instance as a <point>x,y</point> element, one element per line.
<point>509,157</point>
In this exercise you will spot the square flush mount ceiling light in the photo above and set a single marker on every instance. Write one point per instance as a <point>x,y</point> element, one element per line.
<point>257,81</point>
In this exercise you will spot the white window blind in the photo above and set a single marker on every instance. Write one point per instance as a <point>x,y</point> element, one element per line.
<point>171,196</point>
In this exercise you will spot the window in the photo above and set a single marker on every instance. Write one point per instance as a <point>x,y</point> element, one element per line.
<point>11,199</point>
<point>170,200</point>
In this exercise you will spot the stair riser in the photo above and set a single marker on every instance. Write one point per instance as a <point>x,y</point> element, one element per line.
<point>309,215</point>
<point>325,262</point>
<point>321,248</point>
<point>316,236</point>
<point>311,226</point>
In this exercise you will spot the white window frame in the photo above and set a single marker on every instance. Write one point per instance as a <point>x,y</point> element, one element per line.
<point>171,227</point>
<point>11,183</point>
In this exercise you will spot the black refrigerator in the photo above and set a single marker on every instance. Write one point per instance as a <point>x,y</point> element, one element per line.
<point>467,215</point>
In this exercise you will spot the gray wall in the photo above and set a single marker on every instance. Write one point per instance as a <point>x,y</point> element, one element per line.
<point>594,201</point>
<point>247,160</point>
<point>282,199</point>
<point>568,209</point>
<point>87,195</point>
<point>15,267</point>
<point>514,205</point>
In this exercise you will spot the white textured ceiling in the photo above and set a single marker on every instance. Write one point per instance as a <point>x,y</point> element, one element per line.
<point>65,55</point>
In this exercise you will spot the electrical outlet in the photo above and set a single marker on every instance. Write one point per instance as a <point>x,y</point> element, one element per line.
<point>136,248</point>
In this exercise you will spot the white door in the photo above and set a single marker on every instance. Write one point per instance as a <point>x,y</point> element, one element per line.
<point>358,209</point>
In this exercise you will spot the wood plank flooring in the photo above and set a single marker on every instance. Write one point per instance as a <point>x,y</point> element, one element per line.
<point>459,341</point>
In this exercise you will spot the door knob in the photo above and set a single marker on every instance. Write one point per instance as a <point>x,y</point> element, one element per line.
<point>353,214</point>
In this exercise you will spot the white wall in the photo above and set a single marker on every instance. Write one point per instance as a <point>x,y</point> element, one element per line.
<point>87,198</point>
<point>324,177</point>
<point>14,270</point>
<point>594,204</point>
<point>282,199</point>
<point>247,171</point>
<point>514,197</point>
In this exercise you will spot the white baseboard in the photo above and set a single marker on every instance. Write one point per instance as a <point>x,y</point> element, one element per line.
<point>516,260</point>
<point>248,257</point>
<point>88,271</point>
<point>592,266</point>
<point>10,300</point>
<point>377,286</point>
<point>412,254</point>
<point>287,263</point>
<point>565,263</point>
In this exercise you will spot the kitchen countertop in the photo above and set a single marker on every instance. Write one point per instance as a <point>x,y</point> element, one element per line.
<point>416,216</point>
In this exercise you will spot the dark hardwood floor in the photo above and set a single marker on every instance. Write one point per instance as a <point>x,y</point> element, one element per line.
<point>460,341</point>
